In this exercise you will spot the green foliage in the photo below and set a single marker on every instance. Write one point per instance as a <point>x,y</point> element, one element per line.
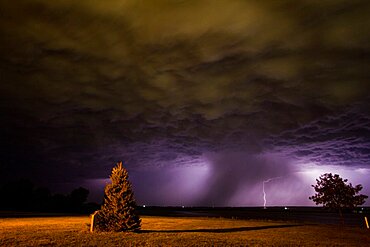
<point>333,192</point>
<point>118,212</point>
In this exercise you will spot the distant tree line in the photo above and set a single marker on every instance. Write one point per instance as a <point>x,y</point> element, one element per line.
<point>23,195</point>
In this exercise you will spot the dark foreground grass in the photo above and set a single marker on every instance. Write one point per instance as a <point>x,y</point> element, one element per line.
<point>169,231</point>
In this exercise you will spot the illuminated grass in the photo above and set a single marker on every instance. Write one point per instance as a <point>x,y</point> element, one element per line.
<point>168,231</point>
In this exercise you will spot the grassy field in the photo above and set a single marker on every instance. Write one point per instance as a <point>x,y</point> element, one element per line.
<point>170,231</point>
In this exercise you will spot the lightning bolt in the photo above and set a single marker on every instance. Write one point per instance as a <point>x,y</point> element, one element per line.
<point>263,190</point>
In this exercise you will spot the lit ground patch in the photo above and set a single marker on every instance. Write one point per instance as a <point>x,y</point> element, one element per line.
<point>171,231</point>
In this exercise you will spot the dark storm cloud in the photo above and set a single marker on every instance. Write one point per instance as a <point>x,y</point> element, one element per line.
<point>342,139</point>
<point>158,84</point>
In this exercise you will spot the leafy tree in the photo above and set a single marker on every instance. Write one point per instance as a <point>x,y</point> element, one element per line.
<point>77,198</point>
<point>118,212</point>
<point>59,203</point>
<point>333,193</point>
<point>24,195</point>
<point>41,199</point>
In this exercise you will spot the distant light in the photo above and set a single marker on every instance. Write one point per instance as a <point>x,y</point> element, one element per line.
<point>143,206</point>
<point>286,208</point>
<point>183,206</point>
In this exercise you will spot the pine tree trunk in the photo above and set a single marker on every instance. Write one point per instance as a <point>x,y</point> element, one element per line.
<point>341,216</point>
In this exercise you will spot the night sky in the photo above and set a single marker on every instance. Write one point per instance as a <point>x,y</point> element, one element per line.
<point>203,100</point>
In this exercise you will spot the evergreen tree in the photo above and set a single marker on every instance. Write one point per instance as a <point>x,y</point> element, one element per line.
<point>118,212</point>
